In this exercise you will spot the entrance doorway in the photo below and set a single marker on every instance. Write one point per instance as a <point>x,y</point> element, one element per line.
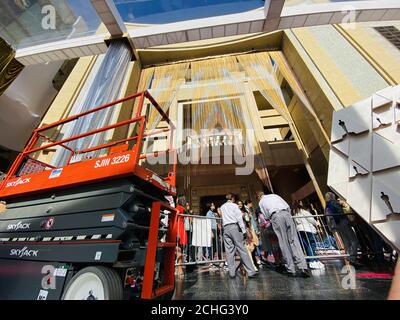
<point>218,201</point>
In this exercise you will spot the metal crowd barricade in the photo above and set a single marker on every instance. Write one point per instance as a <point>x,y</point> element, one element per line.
<point>204,244</point>
<point>325,243</point>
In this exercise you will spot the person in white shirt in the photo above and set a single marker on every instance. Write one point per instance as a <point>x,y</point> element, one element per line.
<point>234,235</point>
<point>307,228</point>
<point>277,211</point>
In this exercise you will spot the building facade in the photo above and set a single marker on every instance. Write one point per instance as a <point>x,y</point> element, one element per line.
<point>282,86</point>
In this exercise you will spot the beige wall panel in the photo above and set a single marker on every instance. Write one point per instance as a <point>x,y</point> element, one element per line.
<point>373,46</point>
<point>273,121</point>
<point>207,48</point>
<point>70,91</point>
<point>341,85</point>
<point>268,113</point>
<point>319,94</point>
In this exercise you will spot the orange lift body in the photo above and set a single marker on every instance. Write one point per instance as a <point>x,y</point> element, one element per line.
<point>118,164</point>
<point>122,161</point>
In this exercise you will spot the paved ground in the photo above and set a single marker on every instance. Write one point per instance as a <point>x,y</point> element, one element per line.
<point>270,285</point>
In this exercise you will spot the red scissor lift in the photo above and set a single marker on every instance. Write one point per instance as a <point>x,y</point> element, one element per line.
<point>29,181</point>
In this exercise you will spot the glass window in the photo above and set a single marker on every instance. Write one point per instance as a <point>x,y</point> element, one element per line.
<point>391,33</point>
<point>290,3</point>
<point>34,22</point>
<point>168,11</point>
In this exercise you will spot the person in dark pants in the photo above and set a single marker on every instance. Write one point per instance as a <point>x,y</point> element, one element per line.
<point>191,249</point>
<point>234,232</point>
<point>222,253</point>
<point>338,221</point>
<point>216,246</point>
<point>369,240</point>
<point>307,228</point>
<point>248,204</point>
<point>277,211</point>
<point>269,242</point>
<point>252,240</point>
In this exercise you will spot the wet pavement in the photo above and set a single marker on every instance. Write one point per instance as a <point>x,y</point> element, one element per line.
<point>202,284</point>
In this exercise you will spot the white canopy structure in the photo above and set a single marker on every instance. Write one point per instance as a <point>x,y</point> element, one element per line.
<point>47,32</point>
<point>162,22</point>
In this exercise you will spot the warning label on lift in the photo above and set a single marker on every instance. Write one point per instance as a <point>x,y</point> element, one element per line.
<point>55,173</point>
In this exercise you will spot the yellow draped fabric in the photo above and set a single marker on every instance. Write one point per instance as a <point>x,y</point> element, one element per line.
<point>214,69</point>
<point>216,87</point>
<point>144,84</point>
<point>262,78</point>
<point>217,114</point>
<point>216,81</point>
<point>163,83</point>
<point>213,78</point>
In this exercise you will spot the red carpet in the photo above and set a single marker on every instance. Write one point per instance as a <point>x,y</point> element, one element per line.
<point>374,275</point>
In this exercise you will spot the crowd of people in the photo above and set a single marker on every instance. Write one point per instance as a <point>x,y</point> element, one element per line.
<point>199,236</point>
<point>271,234</point>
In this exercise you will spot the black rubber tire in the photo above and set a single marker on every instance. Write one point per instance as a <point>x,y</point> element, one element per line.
<point>110,279</point>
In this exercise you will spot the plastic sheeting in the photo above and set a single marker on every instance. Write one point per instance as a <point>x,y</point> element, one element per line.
<point>104,88</point>
<point>201,232</point>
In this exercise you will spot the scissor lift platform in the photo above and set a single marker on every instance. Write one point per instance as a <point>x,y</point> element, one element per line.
<point>95,220</point>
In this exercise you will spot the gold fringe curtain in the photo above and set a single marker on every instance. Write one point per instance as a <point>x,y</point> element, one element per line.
<point>216,82</point>
<point>262,78</point>
<point>214,78</point>
<point>144,84</point>
<point>9,67</point>
<point>214,69</point>
<point>228,114</point>
<point>217,114</point>
<point>226,72</point>
<point>163,83</point>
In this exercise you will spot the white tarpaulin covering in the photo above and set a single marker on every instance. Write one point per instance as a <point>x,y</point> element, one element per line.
<point>104,88</point>
<point>201,232</point>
